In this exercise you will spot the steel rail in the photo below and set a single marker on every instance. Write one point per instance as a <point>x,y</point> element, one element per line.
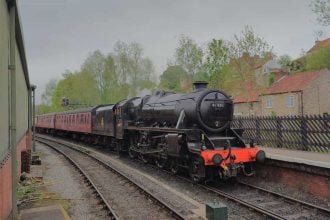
<point>220,193</point>
<point>242,202</point>
<point>249,204</point>
<point>174,212</point>
<point>108,206</point>
<point>303,203</point>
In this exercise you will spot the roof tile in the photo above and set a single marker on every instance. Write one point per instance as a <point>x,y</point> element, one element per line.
<point>319,44</point>
<point>250,93</point>
<point>293,83</point>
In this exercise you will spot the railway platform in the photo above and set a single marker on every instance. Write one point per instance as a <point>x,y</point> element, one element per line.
<point>54,212</point>
<point>321,160</point>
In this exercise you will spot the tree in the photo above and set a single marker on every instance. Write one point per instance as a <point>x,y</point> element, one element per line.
<point>134,71</point>
<point>247,51</point>
<point>121,54</point>
<point>110,80</point>
<point>189,55</point>
<point>322,10</point>
<point>173,78</point>
<point>217,55</point>
<point>46,97</point>
<point>95,65</point>
<point>79,87</point>
<point>285,60</point>
<point>249,44</point>
<point>319,59</point>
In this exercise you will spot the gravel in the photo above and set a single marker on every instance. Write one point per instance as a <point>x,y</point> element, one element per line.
<point>126,200</point>
<point>67,183</point>
<point>180,191</point>
<point>285,190</point>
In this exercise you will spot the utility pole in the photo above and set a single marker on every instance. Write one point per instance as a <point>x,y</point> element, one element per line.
<point>12,101</point>
<point>33,87</point>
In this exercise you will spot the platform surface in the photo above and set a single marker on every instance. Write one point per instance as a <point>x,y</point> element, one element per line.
<point>296,156</point>
<point>54,212</point>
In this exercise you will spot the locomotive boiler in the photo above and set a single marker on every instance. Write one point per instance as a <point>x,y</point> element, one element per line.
<point>210,110</point>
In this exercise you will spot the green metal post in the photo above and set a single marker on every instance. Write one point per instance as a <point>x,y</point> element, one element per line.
<point>12,128</point>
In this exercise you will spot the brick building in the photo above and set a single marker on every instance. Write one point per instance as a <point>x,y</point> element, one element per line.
<point>248,102</point>
<point>318,44</point>
<point>299,94</point>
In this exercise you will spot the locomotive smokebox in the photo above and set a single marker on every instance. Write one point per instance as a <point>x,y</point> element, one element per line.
<point>200,85</point>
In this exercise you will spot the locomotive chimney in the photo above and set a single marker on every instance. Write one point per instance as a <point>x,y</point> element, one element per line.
<point>200,85</point>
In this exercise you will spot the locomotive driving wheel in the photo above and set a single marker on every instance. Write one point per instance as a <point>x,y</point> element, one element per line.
<point>196,168</point>
<point>144,158</point>
<point>174,167</point>
<point>161,162</point>
<point>132,154</point>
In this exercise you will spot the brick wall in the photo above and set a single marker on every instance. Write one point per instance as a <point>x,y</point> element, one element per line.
<point>5,188</point>
<point>280,106</point>
<point>5,175</point>
<point>316,96</point>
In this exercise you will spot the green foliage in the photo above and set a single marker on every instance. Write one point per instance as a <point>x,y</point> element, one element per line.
<point>102,79</point>
<point>46,97</point>
<point>172,78</point>
<point>285,60</point>
<point>247,51</point>
<point>189,55</point>
<point>322,10</point>
<point>226,65</point>
<point>319,59</point>
<point>271,79</point>
<point>249,44</point>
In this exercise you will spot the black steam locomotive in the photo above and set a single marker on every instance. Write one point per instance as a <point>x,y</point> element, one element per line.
<point>181,131</point>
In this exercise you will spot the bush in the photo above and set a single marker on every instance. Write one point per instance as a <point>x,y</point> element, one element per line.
<point>319,59</point>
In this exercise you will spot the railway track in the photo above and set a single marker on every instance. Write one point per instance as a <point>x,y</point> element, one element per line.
<point>120,194</point>
<point>267,203</point>
<point>270,204</point>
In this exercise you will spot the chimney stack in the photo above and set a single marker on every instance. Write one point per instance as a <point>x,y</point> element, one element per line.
<point>200,85</point>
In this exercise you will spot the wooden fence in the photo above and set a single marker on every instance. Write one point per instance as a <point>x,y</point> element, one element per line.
<point>308,132</point>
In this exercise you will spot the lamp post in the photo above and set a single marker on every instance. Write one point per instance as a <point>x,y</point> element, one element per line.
<point>33,88</point>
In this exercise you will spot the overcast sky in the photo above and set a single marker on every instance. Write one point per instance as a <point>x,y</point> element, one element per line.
<point>59,34</point>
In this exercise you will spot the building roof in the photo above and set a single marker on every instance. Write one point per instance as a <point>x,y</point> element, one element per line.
<point>293,83</point>
<point>250,93</point>
<point>319,44</point>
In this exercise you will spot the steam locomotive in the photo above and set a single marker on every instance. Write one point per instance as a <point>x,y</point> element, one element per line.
<point>187,132</point>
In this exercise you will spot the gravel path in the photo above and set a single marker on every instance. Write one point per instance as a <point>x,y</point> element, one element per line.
<point>66,181</point>
<point>126,199</point>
